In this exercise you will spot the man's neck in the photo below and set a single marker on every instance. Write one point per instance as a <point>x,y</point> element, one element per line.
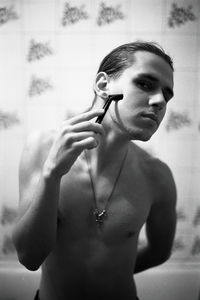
<point>111,149</point>
<point>112,146</point>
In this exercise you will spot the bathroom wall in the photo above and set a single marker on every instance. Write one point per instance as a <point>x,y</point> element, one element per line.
<point>49,53</point>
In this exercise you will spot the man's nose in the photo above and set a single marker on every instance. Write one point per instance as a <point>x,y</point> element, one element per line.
<point>157,100</point>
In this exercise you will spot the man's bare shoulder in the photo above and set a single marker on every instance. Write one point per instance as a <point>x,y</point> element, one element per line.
<point>157,171</point>
<point>34,153</point>
<point>36,147</point>
<point>41,139</point>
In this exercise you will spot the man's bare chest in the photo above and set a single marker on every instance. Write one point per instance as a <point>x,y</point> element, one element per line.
<point>127,205</point>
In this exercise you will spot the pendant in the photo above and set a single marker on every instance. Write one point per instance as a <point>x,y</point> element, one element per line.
<point>99,216</point>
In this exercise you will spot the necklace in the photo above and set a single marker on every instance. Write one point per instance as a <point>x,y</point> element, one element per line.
<point>101,215</point>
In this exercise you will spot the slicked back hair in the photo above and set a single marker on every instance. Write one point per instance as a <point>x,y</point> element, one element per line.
<point>122,57</point>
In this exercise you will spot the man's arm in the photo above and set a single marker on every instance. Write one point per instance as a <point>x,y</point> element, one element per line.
<point>44,161</point>
<point>160,225</point>
<point>34,233</point>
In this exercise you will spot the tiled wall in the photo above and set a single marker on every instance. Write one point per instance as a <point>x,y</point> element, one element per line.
<point>49,53</point>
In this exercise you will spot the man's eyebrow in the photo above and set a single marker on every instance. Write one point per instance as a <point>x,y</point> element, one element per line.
<point>155,79</point>
<point>148,76</point>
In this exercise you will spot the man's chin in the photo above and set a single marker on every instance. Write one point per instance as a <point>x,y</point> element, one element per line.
<point>137,133</point>
<point>143,137</point>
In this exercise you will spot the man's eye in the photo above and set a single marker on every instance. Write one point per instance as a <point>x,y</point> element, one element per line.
<point>146,86</point>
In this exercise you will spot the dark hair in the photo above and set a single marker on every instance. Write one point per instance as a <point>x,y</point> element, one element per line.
<point>122,57</point>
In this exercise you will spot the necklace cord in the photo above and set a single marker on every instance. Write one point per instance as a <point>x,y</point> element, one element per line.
<point>101,214</point>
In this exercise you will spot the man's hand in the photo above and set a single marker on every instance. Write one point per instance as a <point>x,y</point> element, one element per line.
<point>75,135</point>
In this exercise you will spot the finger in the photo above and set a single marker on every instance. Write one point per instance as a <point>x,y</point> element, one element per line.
<point>87,143</point>
<point>85,116</point>
<point>78,136</point>
<point>83,126</point>
<point>89,126</point>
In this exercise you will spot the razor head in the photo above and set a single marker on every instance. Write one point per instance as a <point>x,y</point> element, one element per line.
<point>115,97</point>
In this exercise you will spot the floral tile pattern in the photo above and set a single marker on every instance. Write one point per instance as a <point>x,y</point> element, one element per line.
<point>39,86</point>
<point>8,246</point>
<point>178,244</point>
<point>196,246</point>
<point>8,119</point>
<point>73,14</point>
<point>8,215</point>
<point>109,14</point>
<point>38,50</point>
<point>180,15</point>
<point>181,215</point>
<point>196,220</point>
<point>177,120</point>
<point>7,14</point>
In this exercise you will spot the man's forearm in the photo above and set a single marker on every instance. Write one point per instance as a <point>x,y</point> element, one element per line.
<point>148,258</point>
<point>35,231</point>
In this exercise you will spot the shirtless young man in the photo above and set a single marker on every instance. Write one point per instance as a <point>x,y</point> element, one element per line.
<point>65,176</point>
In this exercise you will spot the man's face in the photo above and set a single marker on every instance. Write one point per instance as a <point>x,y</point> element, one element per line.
<point>147,86</point>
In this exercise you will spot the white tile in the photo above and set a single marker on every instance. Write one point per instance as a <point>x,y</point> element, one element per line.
<point>11,162</point>
<point>171,151</point>
<point>38,1</point>
<point>41,117</point>
<point>105,43</point>
<point>197,102</point>
<point>11,88</point>
<point>2,165</point>
<point>198,47</point>
<point>75,50</point>
<point>12,139</point>
<point>187,207</point>
<point>183,251</point>
<point>183,184</point>
<point>10,50</point>
<point>183,227</point>
<point>185,91</point>
<point>183,49</point>
<point>196,156</point>
<point>76,89</point>
<point>39,16</point>
<point>146,16</point>
<point>185,99</point>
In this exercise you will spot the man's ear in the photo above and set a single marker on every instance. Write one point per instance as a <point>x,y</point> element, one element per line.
<point>101,85</point>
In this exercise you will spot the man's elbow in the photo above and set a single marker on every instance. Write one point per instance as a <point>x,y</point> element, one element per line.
<point>32,258</point>
<point>30,255</point>
<point>29,263</point>
<point>162,256</point>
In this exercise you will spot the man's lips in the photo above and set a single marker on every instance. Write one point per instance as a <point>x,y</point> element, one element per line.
<point>150,116</point>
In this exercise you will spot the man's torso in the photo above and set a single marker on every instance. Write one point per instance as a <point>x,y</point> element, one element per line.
<point>91,260</point>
